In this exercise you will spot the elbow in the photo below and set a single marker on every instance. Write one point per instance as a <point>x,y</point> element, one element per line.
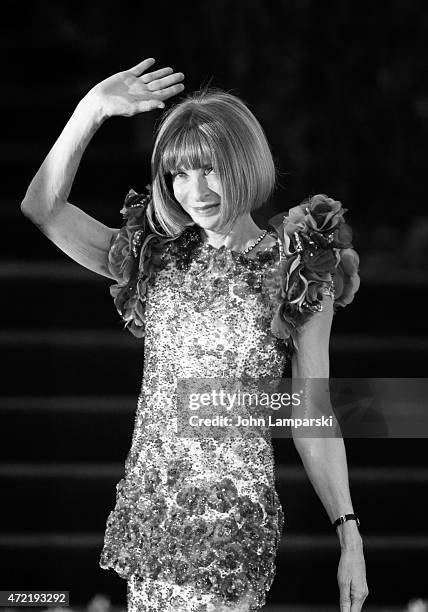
<point>27,209</point>
<point>308,448</point>
<point>315,449</point>
<point>33,212</point>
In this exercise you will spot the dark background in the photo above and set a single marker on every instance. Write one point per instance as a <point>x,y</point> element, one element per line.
<point>340,89</point>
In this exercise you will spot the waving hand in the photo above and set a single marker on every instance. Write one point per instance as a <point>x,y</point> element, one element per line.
<point>134,91</point>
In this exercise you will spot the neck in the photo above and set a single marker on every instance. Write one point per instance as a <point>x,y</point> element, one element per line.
<point>243,233</point>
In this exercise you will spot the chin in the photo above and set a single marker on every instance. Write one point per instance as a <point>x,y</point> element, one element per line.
<point>208,224</point>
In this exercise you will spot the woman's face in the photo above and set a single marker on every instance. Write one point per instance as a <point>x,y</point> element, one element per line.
<point>200,194</point>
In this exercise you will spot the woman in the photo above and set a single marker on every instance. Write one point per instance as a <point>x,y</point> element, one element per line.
<point>197,521</point>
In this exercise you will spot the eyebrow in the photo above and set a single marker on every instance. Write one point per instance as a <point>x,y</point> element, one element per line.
<point>183,169</point>
<point>203,167</point>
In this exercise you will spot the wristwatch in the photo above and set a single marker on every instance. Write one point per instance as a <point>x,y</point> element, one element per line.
<point>346,517</point>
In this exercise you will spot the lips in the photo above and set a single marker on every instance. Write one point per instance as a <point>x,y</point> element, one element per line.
<point>207,207</point>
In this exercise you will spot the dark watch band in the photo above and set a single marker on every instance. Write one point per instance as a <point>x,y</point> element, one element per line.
<point>344,518</point>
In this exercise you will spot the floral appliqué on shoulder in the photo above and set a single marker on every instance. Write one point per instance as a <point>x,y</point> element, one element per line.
<point>317,257</point>
<point>135,255</point>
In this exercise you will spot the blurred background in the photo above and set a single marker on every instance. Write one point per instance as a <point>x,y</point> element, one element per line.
<point>340,88</point>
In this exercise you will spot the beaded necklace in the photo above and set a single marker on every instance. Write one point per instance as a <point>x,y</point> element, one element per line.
<point>252,245</point>
<point>255,243</point>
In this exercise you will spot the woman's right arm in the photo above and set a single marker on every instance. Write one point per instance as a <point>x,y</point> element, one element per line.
<point>79,235</point>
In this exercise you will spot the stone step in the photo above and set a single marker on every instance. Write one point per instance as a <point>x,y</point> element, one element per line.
<point>303,560</point>
<point>42,497</point>
<point>88,362</point>
<point>279,608</point>
<point>84,429</point>
<point>82,299</point>
<point>415,606</point>
<point>99,429</point>
<point>78,362</point>
<point>63,294</point>
<point>326,608</point>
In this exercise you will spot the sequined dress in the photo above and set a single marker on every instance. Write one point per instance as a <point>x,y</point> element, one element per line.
<point>197,522</point>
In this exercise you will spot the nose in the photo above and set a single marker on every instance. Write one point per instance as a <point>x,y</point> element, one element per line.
<point>200,189</point>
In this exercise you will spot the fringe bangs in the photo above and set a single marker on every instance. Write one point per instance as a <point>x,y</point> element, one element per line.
<point>188,148</point>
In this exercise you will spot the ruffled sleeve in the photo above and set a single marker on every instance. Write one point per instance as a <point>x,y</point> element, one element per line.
<point>316,258</point>
<point>134,256</point>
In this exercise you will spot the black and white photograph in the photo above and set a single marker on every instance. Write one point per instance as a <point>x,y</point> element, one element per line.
<point>214,335</point>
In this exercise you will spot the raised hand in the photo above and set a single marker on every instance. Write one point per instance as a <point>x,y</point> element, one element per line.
<point>136,91</point>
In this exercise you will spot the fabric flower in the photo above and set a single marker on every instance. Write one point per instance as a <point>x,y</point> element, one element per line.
<point>134,256</point>
<point>224,555</point>
<point>151,480</point>
<point>346,278</point>
<point>223,495</point>
<point>248,509</point>
<point>320,261</point>
<point>317,255</point>
<point>192,500</point>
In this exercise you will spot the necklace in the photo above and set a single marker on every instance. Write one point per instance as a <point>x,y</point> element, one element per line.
<point>255,243</point>
<point>247,250</point>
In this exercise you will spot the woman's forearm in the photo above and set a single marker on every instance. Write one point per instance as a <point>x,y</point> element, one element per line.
<point>51,186</point>
<point>324,460</point>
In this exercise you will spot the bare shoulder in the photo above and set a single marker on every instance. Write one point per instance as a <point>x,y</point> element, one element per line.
<point>83,238</point>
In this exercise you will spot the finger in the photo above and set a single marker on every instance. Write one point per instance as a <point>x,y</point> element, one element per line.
<point>357,602</point>
<point>345,599</point>
<point>166,81</point>
<point>149,105</point>
<point>345,605</point>
<point>164,94</point>
<point>142,66</point>
<point>151,76</point>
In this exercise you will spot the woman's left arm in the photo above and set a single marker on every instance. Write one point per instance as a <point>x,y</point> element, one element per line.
<point>324,458</point>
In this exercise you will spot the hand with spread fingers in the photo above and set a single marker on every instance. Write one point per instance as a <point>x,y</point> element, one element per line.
<point>134,91</point>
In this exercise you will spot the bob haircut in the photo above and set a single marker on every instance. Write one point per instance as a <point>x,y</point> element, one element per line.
<point>211,128</point>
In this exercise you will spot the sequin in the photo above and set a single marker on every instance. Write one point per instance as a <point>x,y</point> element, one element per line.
<point>197,522</point>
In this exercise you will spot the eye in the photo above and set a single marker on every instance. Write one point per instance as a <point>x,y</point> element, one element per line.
<point>209,170</point>
<point>177,173</point>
